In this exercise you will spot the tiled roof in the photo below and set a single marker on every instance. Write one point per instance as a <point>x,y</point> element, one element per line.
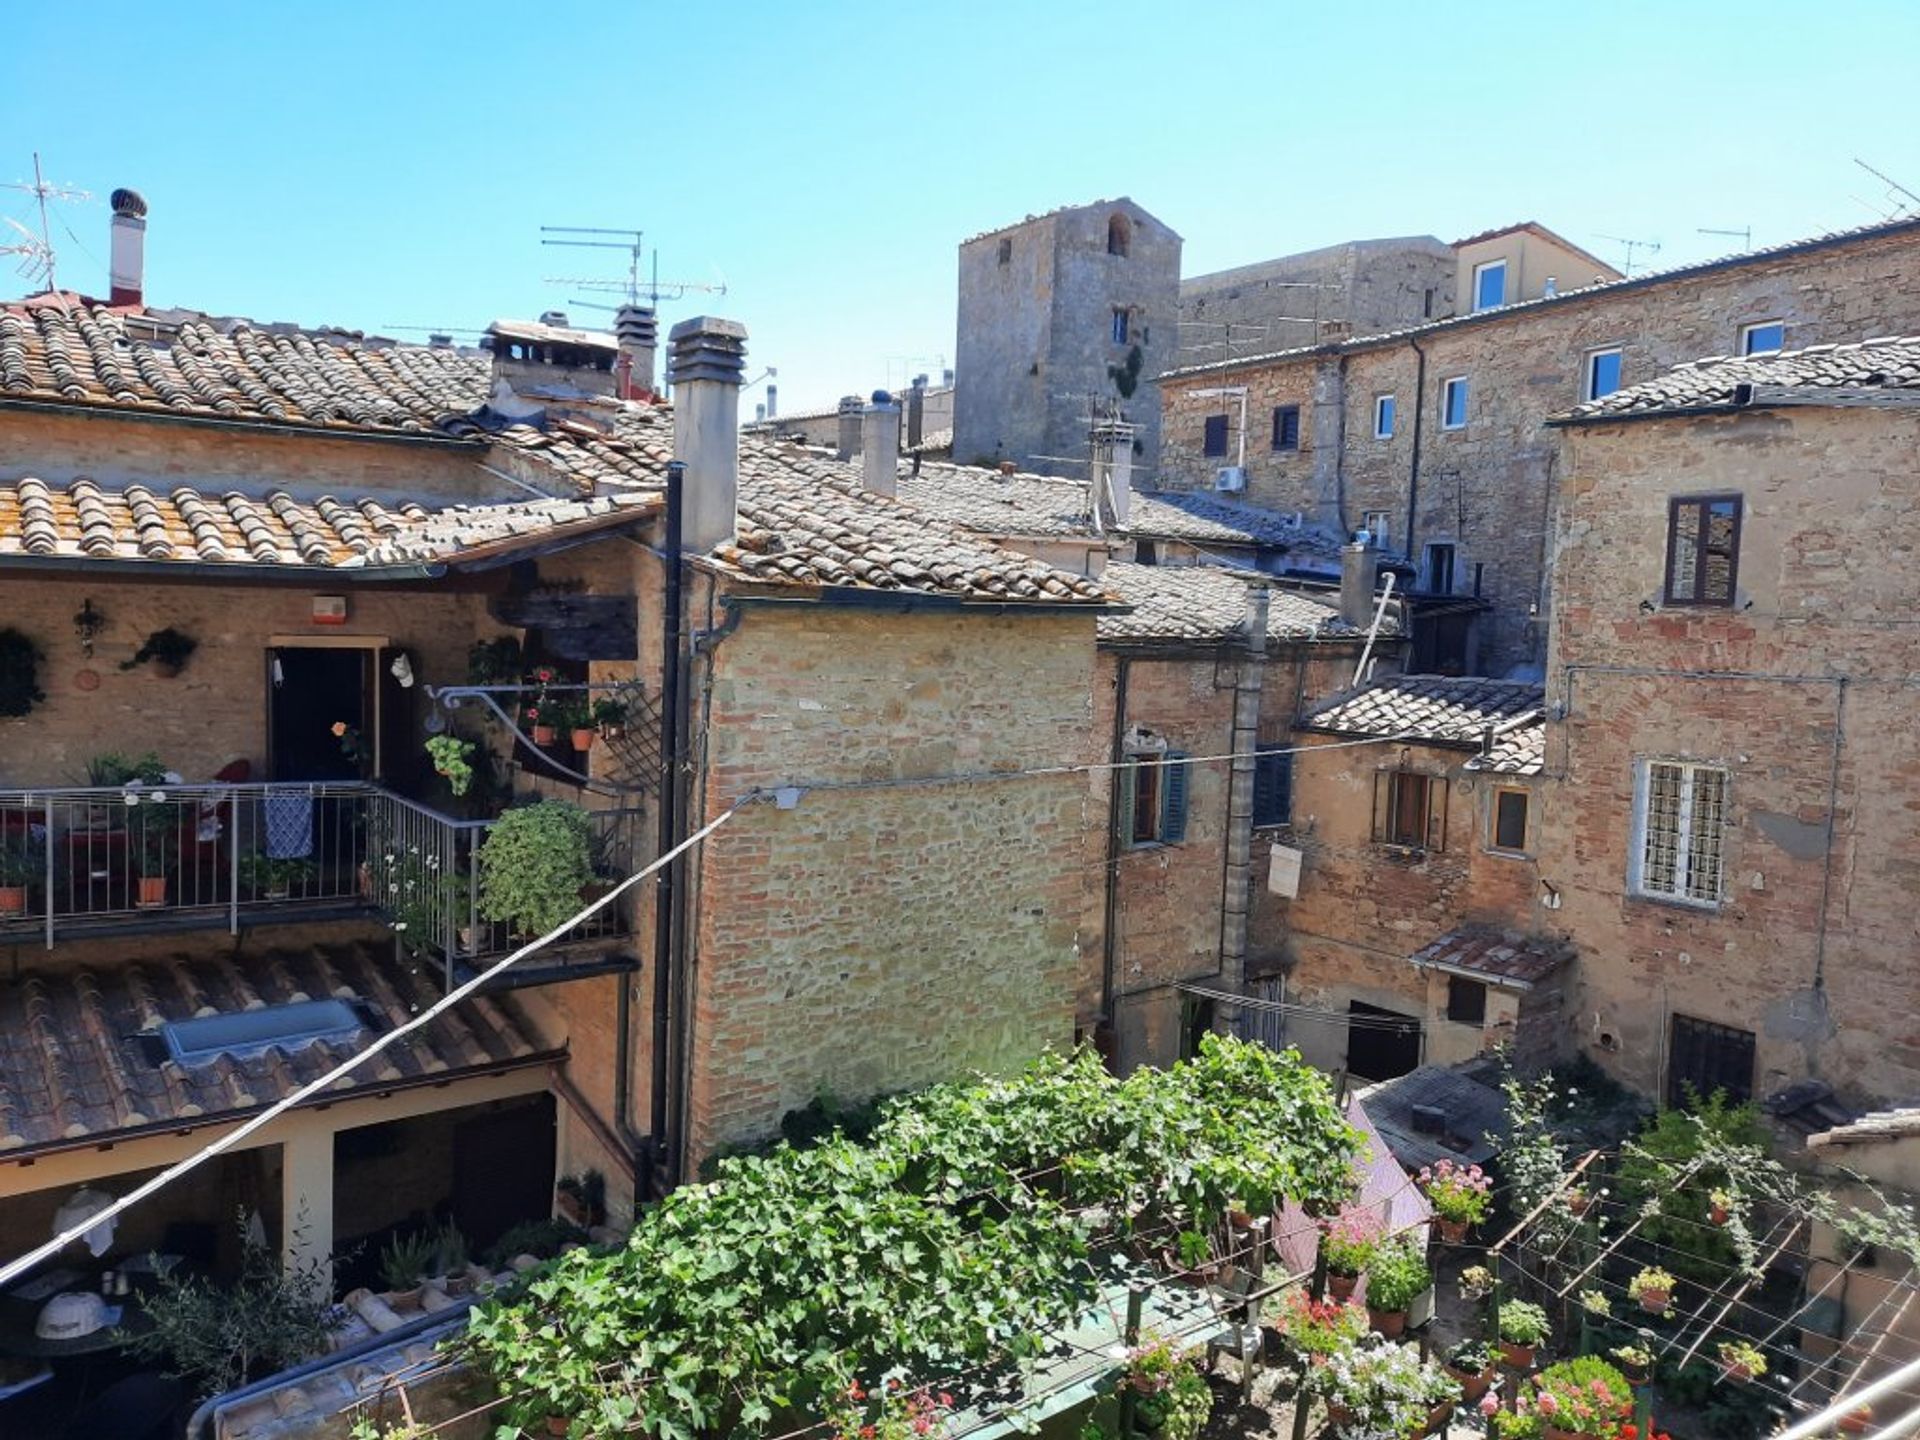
<point>934,442</point>
<point>1445,709</point>
<point>86,521</point>
<point>1534,227</point>
<point>1889,367</point>
<point>81,1056</point>
<point>1209,520</point>
<point>1480,317</point>
<point>1870,1129</point>
<point>1204,604</point>
<point>1500,958</point>
<point>1518,749</point>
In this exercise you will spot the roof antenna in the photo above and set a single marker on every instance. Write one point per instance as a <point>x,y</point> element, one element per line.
<point>1652,247</point>
<point>1907,199</point>
<point>1746,235</point>
<point>37,255</point>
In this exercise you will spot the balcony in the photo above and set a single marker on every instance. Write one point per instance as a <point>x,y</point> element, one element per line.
<point>88,862</point>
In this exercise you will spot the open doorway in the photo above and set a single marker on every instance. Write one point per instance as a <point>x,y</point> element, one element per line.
<point>1381,1044</point>
<point>310,689</point>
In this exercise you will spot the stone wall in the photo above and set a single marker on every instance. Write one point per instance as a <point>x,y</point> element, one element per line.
<point>1802,691</point>
<point>890,935</point>
<point>1488,488</point>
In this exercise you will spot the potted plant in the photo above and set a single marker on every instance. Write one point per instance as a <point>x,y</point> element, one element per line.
<point>1522,1327</point>
<point>1578,1200</point>
<point>452,757</point>
<point>153,825</point>
<point>447,1266</point>
<point>1172,1398</point>
<point>1741,1361</point>
<point>1397,1276</point>
<point>405,1262</point>
<point>1719,1206</point>
<point>1635,1362</point>
<point>1316,1330</point>
<point>539,710</point>
<point>1581,1399</point>
<point>494,662</point>
<point>610,717</point>
<point>582,1198</point>
<point>1476,1282</point>
<point>1472,1365</point>
<point>532,864</point>
<point>164,653</point>
<point>18,870</point>
<point>272,878</point>
<point>1596,1304</point>
<point>574,716</point>
<point>1379,1388</point>
<point>1459,1194</point>
<point>1653,1288</point>
<point>1857,1421</point>
<point>1349,1243</point>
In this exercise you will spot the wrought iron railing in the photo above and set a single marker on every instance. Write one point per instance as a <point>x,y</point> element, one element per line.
<point>74,860</point>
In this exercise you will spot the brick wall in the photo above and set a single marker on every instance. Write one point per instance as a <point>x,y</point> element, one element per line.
<point>1802,691</point>
<point>874,939</point>
<point>1487,488</point>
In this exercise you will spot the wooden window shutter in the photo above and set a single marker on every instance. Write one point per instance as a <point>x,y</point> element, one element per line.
<point>1173,799</point>
<point>1123,784</point>
<point>1382,806</point>
<point>1436,814</point>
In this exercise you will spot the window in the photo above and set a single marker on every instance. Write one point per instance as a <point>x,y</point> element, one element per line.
<point>1119,235</point>
<point>1409,809</point>
<point>245,1032</point>
<point>1216,437</point>
<point>1272,785</point>
<point>1006,251</point>
<point>1286,427</point>
<point>1603,374</point>
<point>1383,417</point>
<point>1680,812</point>
<point>1378,524</point>
<point>1453,403</point>
<point>1466,1000</point>
<point>1763,335</point>
<point>1154,798</point>
<point>1440,569</point>
<point>1489,284</point>
<point>1426,304</point>
<point>1119,327</point>
<point>1703,549</point>
<point>1510,820</point>
<point>1706,1057</point>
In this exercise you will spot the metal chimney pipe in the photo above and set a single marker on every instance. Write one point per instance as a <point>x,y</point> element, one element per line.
<point>1359,577</point>
<point>880,445</point>
<point>707,358</point>
<point>127,261</point>
<point>849,438</point>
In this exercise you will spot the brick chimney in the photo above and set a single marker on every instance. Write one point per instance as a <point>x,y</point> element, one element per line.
<point>1359,577</point>
<point>1111,442</point>
<point>849,442</point>
<point>880,445</point>
<point>127,263</point>
<point>637,329</point>
<point>706,359</point>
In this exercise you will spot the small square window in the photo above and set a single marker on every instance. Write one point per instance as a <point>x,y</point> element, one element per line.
<point>1703,549</point>
<point>1378,525</point>
<point>1489,284</point>
<point>1214,443</point>
<point>1603,374</point>
<point>1453,403</point>
<point>1383,417</point>
<point>1286,427</point>
<point>1762,336</point>
<point>1466,1000</point>
<point>1510,820</point>
<point>1409,810</point>
<point>1120,325</point>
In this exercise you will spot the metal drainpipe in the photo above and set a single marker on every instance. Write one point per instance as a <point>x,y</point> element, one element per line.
<point>1109,946</point>
<point>1236,888</point>
<point>1413,470</point>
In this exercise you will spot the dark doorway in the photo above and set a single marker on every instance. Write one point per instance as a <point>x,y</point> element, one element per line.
<point>1440,643</point>
<point>1708,1057</point>
<point>1381,1044</point>
<point>310,690</point>
<point>503,1170</point>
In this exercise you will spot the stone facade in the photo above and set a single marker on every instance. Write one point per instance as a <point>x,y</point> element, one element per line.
<point>1039,341</point>
<point>1800,693</point>
<point>1487,488</point>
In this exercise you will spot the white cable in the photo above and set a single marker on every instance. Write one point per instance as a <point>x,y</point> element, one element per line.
<point>1823,1421</point>
<point>15,1268</point>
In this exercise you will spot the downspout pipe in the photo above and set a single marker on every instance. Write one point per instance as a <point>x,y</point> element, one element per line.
<point>1236,897</point>
<point>1413,468</point>
<point>1109,943</point>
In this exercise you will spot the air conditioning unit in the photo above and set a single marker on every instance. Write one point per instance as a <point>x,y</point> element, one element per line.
<point>1230,479</point>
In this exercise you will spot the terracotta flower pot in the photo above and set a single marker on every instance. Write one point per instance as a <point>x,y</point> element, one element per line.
<point>1717,1214</point>
<point>582,740</point>
<point>1518,1357</point>
<point>1857,1421</point>
<point>1556,1432</point>
<point>1577,1201</point>
<point>1735,1372</point>
<point>1655,1302</point>
<point>543,734</point>
<point>1635,1374</point>
<point>1472,1386</point>
<point>153,892</point>
<point>1340,1287</point>
<point>364,877</point>
<point>1452,1232</point>
<point>1338,1414</point>
<point>1388,1323</point>
<point>1437,1418</point>
<point>13,899</point>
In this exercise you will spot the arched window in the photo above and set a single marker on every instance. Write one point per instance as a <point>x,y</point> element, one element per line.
<point>1119,234</point>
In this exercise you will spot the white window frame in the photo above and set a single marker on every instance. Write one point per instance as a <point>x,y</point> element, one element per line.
<point>1382,533</point>
<point>1482,268</point>
<point>1587,391</point>
<point>1383,411</point>
<point>1683,833</point>
<point>1746,334</point>
<point>1446,404</point>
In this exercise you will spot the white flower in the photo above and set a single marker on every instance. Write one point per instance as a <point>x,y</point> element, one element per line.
<point>131,799</point>
<point>159,797</point>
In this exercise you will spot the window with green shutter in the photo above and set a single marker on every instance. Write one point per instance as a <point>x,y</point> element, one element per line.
<point>1272,785</point>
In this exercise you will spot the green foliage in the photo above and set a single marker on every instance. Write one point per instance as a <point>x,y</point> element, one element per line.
<point>543,1239</point>
<point>19,674</point>
<point>749,1305</point>
<point>1583,1396</point>
<point>1739,1355</point>
<point>1126,377</point>
<point>168,646</point>
<point>1174,1399</point>
<point>20,865</point>
<point>609,713</point>
<point>263,873</point>
<point>533,864</point>
<point>218,1337</point>
<point>1397,1276</point>
<point>1522,1322</point>
<point>153,828</point>
<point>452,757</point>
<point>1670,1171</point>
<point>406,1260</point>
<point>494,662</point>
<point>1532,1158</point>
<point>1727,1412</point>
<point>115,769</point>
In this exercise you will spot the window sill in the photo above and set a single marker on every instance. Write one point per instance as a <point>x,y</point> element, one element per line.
<point>1410,854</point>
<point>1499,854</point>
<point>1678,902</point>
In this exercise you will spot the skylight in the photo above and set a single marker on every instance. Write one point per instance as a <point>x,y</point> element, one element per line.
<point>194,1042</point>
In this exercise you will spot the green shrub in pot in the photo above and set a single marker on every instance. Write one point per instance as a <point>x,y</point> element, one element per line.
<point>533,864</point>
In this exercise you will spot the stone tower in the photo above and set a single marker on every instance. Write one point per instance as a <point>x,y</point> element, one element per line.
<point>1058,312</point>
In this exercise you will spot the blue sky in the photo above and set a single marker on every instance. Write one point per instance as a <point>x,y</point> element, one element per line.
<point>381,165</point>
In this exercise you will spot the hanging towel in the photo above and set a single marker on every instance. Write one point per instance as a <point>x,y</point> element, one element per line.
<point>289,824</point>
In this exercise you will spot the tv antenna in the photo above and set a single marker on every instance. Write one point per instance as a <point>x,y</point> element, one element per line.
<point>36,251</point>
<point>1652,247</point>
<point>1907,198</point>
<point>1745,235</point>
<point>633,290</point>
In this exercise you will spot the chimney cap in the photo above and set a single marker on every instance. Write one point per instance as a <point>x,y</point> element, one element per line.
<point>128,203</point>
<point>707,348</point>
<point>851,405</point>
<point>881,398</point>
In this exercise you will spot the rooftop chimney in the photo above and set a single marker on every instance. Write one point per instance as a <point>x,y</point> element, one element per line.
<point>880,445</point>
<point>705,361</point>
<point>126,269</point>
<point>1112,470</point>
<point>1359,576</point>
<point>917,411</point>
<point>849,441</point>
<point>555,318</point>
<point>637,329</point>
<point>773,400</point>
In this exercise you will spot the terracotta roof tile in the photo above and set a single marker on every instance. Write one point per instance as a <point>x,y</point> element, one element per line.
<point>1872,1128</point>
<point>1495,956</point>
<point>1443,709</point>
<point>1204,604</point>
<point>1889,366</point>
<point>81,1056</point>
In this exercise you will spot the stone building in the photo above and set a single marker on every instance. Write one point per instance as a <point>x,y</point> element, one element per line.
<point>1730,697</point>
<point>1061,316</point>
<point>1433,437</point>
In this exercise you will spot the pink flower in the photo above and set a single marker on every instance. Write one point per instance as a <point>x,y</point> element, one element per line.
<point>1489,1403</point>
<point>1548,1405</point>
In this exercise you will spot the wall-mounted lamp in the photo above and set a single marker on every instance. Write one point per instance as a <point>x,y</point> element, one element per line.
<point>87,624</point>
